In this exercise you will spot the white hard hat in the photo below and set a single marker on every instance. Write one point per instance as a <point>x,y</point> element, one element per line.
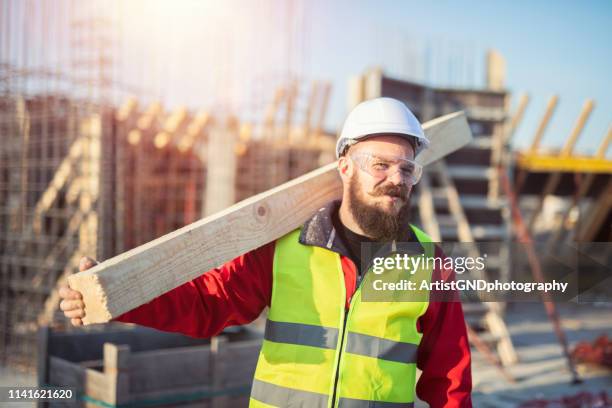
<point>381,115</point>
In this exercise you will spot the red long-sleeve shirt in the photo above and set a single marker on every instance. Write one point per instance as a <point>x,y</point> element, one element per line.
<point>237,292</point>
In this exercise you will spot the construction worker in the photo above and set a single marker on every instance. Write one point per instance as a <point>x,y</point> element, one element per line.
<point>323,345</point>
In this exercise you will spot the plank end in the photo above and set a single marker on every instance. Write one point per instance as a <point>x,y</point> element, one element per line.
<point>94,297</point>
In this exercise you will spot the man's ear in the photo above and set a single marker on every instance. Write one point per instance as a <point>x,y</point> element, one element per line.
<point>344,168</point>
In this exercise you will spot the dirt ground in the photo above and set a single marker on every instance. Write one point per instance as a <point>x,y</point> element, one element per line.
<point>542,371</point>
<point>9,378</point>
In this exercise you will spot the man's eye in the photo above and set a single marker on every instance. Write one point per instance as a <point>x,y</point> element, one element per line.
<point>381,166</point>
<point>407,170</point>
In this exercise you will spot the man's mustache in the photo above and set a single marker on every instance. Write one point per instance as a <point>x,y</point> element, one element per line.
<point>400,191</point>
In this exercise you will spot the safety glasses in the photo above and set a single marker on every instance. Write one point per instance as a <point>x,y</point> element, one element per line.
<point>381,167</point>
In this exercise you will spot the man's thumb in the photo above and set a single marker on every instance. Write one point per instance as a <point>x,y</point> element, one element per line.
<point>86,263</point>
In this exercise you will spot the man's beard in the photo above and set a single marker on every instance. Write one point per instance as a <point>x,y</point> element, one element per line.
<point>374,220</point>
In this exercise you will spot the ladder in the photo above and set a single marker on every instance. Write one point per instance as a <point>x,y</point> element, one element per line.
<point>443,215</point>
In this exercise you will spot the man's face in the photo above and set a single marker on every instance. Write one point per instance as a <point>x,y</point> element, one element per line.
<point>379,200</point>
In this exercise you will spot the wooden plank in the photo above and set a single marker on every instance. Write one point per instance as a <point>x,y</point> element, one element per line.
<point>221,169</point>
<point>454,204</point>
<point>271,112</point>
<point>88,345</point>
<point>517,118</point>
<point>90,382</point>
<point>65,373</point>
<point>238,365</point>
<point>312,98</point>
<point>501,155</point>
<point>546,163</point>
<point>326,92</point>
<point>63,173</point>
<point>128,280</point>
<point>535,144</point>
<point>218,354</point>
<point>447,134</point>
<point>170,368</point>
<point>496,70</point>
<point>100,386</point>
<point>596,215</point>
<point>427,210</point>
<point>116,370</point>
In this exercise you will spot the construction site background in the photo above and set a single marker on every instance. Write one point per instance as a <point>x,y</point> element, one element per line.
<point>96,158</point>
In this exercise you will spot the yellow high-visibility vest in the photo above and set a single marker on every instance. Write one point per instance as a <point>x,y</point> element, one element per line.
<point>315,354</point>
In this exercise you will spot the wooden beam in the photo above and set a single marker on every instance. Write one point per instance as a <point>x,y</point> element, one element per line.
<point>271,112</point>
<point>570,143</point>
<point>502,153</point>
<point>312,99</point>
<point>517,118</point>
<point>427,209</point>
<point>63,173</point>
<point>292,94</point>
<point>596,215</point>
<point>128,280</point>
<point>546,163</point>
<point>535,144</point>
<point>550,109</point>
<point>326,92</point>
<point>496,70</point>
<point>221,168</point>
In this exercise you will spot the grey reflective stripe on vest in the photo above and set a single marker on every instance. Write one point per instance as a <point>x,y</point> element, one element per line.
<point>278,396</point>
<point>302,334</point>
<point>356,403</point>
<point>378,347</point>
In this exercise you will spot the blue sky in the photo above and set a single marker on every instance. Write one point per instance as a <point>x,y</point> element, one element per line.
<point>550,47</point>
<point>204,53</point>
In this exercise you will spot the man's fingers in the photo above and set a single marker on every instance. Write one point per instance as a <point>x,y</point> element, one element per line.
<point>72,305</point>
<point>66,293</point>
<point>86,263</point>
<point>77,313</point>
<point>67,305</point>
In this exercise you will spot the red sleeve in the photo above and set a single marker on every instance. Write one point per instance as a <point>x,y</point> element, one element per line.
<point>232,294</point>
<point>444,353</point>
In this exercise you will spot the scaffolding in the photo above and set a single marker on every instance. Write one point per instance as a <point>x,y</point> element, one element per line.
<point>87,170</point>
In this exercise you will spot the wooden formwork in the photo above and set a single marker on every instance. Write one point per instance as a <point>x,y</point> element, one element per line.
<point>143,367</point>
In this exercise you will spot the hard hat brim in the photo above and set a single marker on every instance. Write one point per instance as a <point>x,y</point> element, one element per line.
<point>419,142</point>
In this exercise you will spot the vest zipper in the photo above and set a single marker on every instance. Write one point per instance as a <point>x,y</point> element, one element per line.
<point>338,365</point>
<point>346,315</point>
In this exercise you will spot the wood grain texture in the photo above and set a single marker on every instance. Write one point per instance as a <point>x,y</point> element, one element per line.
<point>137,276</point>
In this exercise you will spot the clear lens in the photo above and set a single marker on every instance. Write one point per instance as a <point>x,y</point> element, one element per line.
<point>382,167</point>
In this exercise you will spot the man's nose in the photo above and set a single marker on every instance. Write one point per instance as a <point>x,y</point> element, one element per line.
<point>397,179</point>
